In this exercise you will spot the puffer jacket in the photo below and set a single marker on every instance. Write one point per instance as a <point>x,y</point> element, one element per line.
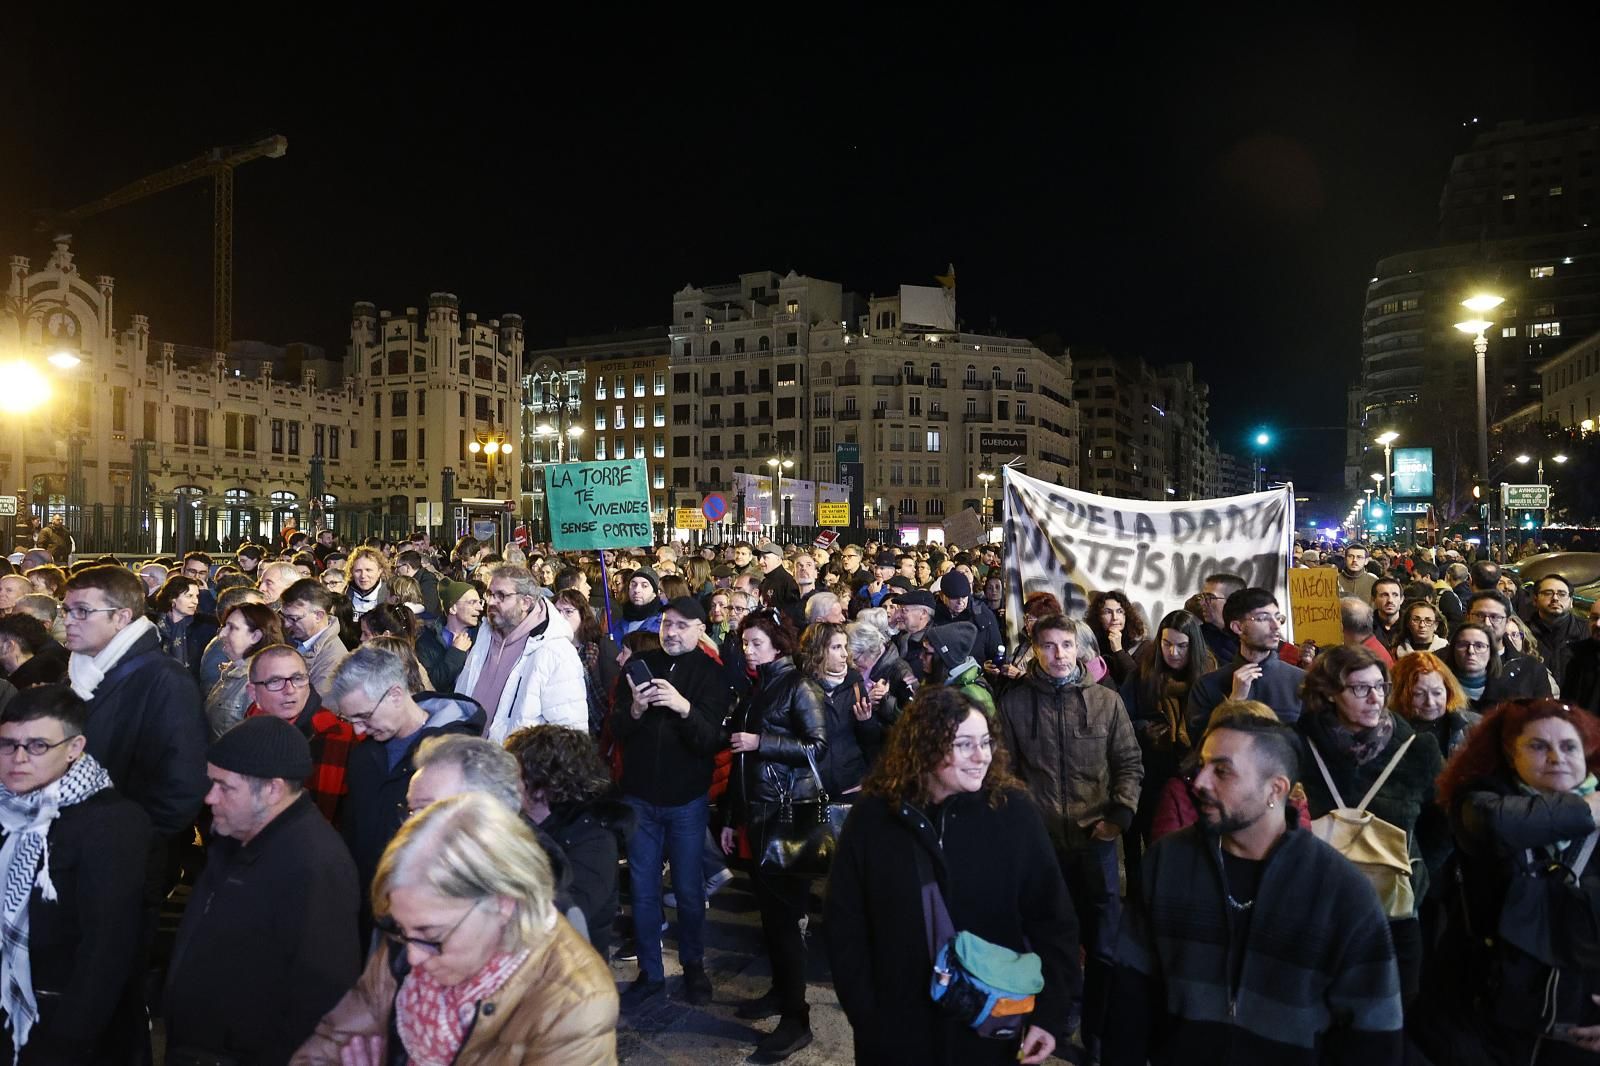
<point>558,1008</point>
<point>546,686</point>
<point>1075,748</point>
<point>789,712</point>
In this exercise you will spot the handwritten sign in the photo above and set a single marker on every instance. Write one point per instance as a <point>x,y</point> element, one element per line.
<point>1073,543</point>
<point>603,504</point>
<point>1314,605</point>
<point>833,514</point>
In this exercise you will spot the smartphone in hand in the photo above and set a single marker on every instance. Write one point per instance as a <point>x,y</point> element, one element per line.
<point>638,673</point>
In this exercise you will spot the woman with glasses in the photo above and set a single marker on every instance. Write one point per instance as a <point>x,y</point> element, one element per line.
<point>1419,629</point>
<point>477,968</point>
<point>943,792</point>
<point>1474,659</point>
<point>1520,641</point>
<point>780,731</point>
<point>1516,962</point>
<point>246,629</point>
<point>1350,740</point>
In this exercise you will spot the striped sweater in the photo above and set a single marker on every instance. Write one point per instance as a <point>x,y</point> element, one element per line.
<point>1318,983</point>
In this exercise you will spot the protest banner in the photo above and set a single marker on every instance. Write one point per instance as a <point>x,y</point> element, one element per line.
<point>833,514</point>
<point>604,504</point>
<point>1314,605</point>
<point>1072,544</point>
<point>964,528</point>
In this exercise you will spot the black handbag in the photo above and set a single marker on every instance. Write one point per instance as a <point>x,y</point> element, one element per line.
<point>801,836</point>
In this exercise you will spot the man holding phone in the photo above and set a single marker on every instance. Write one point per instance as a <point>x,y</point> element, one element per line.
<point>670,732</point>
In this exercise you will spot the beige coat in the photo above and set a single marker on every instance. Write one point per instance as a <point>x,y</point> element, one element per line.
<point>558,1009</point>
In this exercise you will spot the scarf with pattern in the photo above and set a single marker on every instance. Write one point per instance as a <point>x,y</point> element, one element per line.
<point>432,1018</point>
<point>25,865</point>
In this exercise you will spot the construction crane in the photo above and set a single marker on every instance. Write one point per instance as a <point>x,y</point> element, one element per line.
<point>218,164</point>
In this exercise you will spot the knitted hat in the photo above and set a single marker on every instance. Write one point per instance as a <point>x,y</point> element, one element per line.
<point>450,592</point>
<point>649,575</point>
<point>953,642</point>
<point>955,585</point>
<point>263,747</point>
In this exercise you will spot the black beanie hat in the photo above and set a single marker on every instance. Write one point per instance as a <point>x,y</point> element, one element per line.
<point>952,642</point>
<point>262,746</point>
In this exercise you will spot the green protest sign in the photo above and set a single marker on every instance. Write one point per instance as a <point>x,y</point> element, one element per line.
<point>597,505</point>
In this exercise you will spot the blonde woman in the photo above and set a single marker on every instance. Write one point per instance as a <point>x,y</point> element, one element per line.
<point>366,573</point>
<point>477,968</point>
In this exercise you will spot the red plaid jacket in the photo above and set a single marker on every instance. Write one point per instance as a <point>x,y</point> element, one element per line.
<point>331,739</point>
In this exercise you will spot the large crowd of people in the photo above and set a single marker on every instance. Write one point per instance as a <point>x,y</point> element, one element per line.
<point>387,802</point>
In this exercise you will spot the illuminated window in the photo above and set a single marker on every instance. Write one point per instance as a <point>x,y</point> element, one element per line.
<point>1508,331</point>
<point>1542,272</point>
<point>661,383</point>
<point>1544,329</point>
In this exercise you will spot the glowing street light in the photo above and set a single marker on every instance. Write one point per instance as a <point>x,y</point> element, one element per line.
<point>22,388</point>
<point>1481,304</point>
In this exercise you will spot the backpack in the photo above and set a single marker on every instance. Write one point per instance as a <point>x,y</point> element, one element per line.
<point>1377,848</point>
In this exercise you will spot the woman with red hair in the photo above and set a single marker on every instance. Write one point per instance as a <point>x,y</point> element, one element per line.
<point>1427,695</point>
<point>1518,967</point>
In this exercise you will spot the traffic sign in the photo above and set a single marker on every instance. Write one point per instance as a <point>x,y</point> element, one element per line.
<point>1525,497</point>
<point>689,518</point>
<point>714,507</point>
<point>8,506</point>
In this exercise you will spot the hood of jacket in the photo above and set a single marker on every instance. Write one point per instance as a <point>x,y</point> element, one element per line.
<point>450,708</point>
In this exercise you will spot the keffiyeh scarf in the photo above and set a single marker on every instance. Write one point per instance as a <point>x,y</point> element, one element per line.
<point>432,1018</point>
<point>25,865</point>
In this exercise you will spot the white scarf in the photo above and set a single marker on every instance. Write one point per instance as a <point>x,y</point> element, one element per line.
<point>87,671</point>
<point>361,603</point>
<point>24,865</point>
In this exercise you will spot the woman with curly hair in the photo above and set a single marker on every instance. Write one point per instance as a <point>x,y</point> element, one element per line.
<point>568,794</point>
<point>1119,630</point>
<point>854,729</point>
<point>1516,967</point>
<point>944,789</point>
<point>366,571</point>
<point>1427,695</point>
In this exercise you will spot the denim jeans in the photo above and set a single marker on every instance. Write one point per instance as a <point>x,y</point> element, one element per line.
<point>675,834</point>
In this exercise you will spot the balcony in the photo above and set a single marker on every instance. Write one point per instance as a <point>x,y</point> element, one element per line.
<point>738,421</point>
<point>938,416</point>
<point>938,382</point>
<point>738,390</point>
<point>711,486</point>
<point>847,379</point>
<point>712,453</point>
<point>714,423</point>
<point>975,386</point>
<point>761,420</point>
<point>912,379</point>
<point>1024,387</point>
<point>885,379</point>
<point>737,453</point>
<point>888,412</point>
<point>711,390</point>
<point>850,414</point>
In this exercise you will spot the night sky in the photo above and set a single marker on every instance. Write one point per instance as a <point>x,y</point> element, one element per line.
<point>1211,192</point>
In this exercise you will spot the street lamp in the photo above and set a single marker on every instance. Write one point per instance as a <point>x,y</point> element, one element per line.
<point>1481,305</point>
<point>491,446</point>
<point>778,465</point>
<point>1262,440</point>
<point>986,475</point>
<point>1526,459</point>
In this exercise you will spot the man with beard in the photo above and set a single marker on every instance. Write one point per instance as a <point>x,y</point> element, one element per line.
<point>1353,576</point>
<point>1279,951</point>
<point>443,643</point>
<point>643,609</point>
<point>1387,598</point>
<point>523,668</point>
<point>1554,625</point>
<point>1257,672</point>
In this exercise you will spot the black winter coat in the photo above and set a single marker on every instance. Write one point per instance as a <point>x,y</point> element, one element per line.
<point>83,945</point>
<point>668,760</point>
<point>375,806</point>
<point>1557,639</point>
<point>1489,997</point>
<point>789,712</point>
<point>902,683</point>
<point>588,835</point>
<point>147,727</point>
<point>844,765</point>
<point>1000,880</point>
<point>1401,801</point>
<point>268,943</point>
<point>1581,682</point>
<point>1521,677</point>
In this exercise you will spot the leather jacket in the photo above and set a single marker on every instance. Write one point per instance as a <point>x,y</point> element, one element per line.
<point>789,712</point>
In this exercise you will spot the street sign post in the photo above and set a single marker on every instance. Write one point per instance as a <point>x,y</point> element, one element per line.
<point>714,507</point>
<point>833,514</point>
<point>8,506</point>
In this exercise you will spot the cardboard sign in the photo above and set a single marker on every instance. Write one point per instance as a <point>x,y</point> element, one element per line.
<point>826,538</point>
<point>964,528</point>
<point>833,514</point>
<point>1314,605</point>
<point>689,518</point>
<point>603,504</point>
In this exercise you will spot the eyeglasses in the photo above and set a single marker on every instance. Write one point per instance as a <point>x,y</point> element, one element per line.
<point>357,719</point>
<point>1361,690</point>
<point>36,748</point>
<point>79,614</point>
<point>1424,621</point>
<point>1210,597</point>
<point>965,746</point>
<point>1261,618</point>
<point>1486,616</point>
<point>1555,594</point>
<point>1472,646</point>
<point>275,684</point>
<point>391,930</point>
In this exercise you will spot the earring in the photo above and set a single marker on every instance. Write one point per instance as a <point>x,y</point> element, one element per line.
<point>1271,804</point>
